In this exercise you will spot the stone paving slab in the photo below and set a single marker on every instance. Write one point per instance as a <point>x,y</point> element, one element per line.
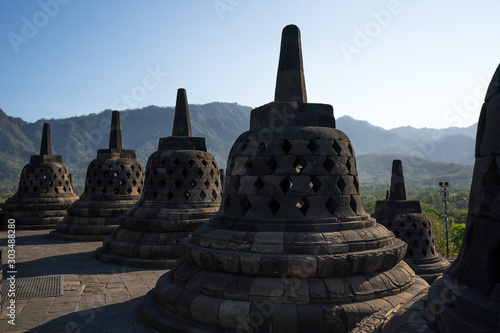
<point>98,297</point>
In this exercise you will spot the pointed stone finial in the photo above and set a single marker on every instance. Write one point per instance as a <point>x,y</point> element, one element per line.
<point>398,191</point>
<point>182,123</point>
<point>46,146</point>
<point>290,82</point>
<point>115,134</point>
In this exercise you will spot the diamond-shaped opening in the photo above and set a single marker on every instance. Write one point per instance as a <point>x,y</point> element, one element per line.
<point>410,253</point>
<point>203,195</point>
<point>199,172</point>
<point>420,233</point>
<point>184,173</point>
<point>432,251</point>
<point>95,173</point>
<point>170,195</point>
<point>41,182</point>
<point>336,147</point>
<point>193,183</point>
<point>216,183</point>
<point>414,225</point>
<point>286,146</point>
<point>207,184</point>
<point>103,191</point>
<point>186,195</point>
<point>36,176</point>
<point>163,162</point>
<point>31,182</point>
<point>110,182</point>
<point>341,184</point>
<point>245,205</point>
<point>132,167</point>
<point>424,224</point>
<point>248,165</point>
<point>140,169</point>
<point>155,173</point>
<point>64,188</point>
<point>312,146</point>
<point>50,182</point>
<point>350,149</point>
<point>212,173</point>
<point>261,146</point>
<point>137,173</point>
<point>227,203</point>
<point>274,206</point>
<point>177,162</point>
<point>116,190</point>
<point>356,184</point>
<point>348,165</point>
<point>128,174</point>
<point>415,242</point>
<point>331,206</point>
<point>215,195</point>
<point>204,163</point>
<point>286,184</point>
<point>122,166</point>
<point>162,183</point>
<point>169,172</point>
<point>134,182</point>
<point>408,234</point>
<point>178,183</point>
<point>427,242</point>
<point>303,205</point>
<point>110,167</point>
<point>272,164</point>
<point>258,184</point>
<point>299,165</point>
<point>41,170</point>
<point>237,184</point>
<point>51,171</point>
<point>329,165</point>
<point>354,205</point>
<point>214,165</point>
<point>396,232</point>
<point>315,184</point>
<point>57,190</point>
<point>191,163</point>
<point>60,170</point>
<point>91,190</point>
<point>154,195</point>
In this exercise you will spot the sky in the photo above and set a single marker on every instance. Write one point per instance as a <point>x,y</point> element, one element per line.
<point>393,63</point>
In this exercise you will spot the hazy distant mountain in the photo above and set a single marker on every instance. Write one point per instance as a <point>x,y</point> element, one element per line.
<point>78,138</point>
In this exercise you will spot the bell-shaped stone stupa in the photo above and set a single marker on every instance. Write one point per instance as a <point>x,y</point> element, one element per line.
<point>45,190</point>
<point>467,297</point>
<point>291,249</point>
<point>405,219</point>
<point>181,191</point>
<point>113,185</point>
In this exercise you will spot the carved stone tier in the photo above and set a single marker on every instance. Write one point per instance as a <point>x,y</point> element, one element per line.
<point>113,185</point>
<point>45,190</point>
<point>181,191</point>
<point>291,249</point>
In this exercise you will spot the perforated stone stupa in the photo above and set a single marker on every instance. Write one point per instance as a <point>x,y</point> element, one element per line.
<point>291,249</point>
<point>405,219</point>
<point>181,191</point>
<point>113,185</point>
<point>45,190</point>
<point>467,297</point>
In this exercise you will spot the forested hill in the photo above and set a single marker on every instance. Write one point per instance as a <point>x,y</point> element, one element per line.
<point>78,138</point>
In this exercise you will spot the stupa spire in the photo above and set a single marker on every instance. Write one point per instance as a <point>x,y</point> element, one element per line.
<point>182,123</point>
<point>115,134</point>
<point>398,191</point>
<point>290,82</point>
<point>46,146</point>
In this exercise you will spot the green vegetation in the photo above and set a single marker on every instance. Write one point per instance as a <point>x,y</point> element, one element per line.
<point>432,203</point>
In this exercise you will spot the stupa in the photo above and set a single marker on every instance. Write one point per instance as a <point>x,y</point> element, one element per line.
<point>181,191</point>
<point>113,185</point>
<point>291,249</point>
<point>45,190</point>
<point>405,219</point>
<point>467,297</point>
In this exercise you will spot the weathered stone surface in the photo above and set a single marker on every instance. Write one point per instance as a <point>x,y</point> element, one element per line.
<point>113,184</point>
<point>45,190</point>
<point>291,248</point>
<point>181,191</point>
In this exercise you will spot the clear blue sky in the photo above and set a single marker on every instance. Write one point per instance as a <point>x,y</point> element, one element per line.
<point>393,63</point>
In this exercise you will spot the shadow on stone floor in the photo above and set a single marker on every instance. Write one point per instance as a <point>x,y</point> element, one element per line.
<point>121,317</point>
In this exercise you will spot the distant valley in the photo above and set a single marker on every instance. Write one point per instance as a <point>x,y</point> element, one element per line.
<point>428,154</point>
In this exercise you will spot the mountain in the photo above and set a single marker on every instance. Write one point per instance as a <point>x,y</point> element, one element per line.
<point>78,138</point>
